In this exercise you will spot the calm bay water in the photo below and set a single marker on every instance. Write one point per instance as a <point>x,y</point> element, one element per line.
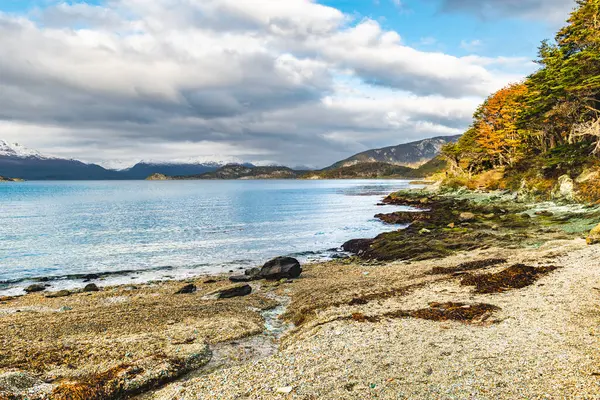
<point>137,231</point>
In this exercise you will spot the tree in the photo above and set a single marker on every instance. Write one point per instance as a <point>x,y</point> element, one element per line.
<point>496,125</point>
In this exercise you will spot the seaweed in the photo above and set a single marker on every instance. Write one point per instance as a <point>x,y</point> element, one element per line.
<point>469,266</point>
<point>516,277</point>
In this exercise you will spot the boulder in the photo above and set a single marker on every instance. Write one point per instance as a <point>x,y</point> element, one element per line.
<point>35,288</point>
<point>594,236</point>
<point>564,189</point>
<point>280,268</point>
<point>187,289</point>
<point>274,270</point>
<point>252,272</point>
<point>232,291</point>
<point>91,287</point>
<point>357,246</point>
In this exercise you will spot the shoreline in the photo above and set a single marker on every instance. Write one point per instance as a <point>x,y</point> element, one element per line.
<point>174,335</point>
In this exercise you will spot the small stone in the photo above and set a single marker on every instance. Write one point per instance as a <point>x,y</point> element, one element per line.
<point>91,287</point>
<point>285,389</point>
<point>65,308</point>
<point>466,216</point>
<point>187,289</point>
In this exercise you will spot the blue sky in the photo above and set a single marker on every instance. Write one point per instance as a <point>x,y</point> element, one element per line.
<point>293,82</point>
<point>420,22</point>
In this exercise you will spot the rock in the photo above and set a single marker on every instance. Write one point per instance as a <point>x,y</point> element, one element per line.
<point>594,236</point>
<point>187,289</point>
<point>279,268</point>
<point>544,213</point>
<point>206,282</point>
<point>61,293</point>
<point>564,189</point>
<point>466,216</point>
<point>91,287</point>
<point>424,231</point>
<point>35,288</point>
<point>64,309</point>
<point>357,246</point>
<point>232,291</point>
<point>89,277</point>
<point>252,272</point>
<point>242,278</point>
<point>451,225</point>
<point>19,382</point>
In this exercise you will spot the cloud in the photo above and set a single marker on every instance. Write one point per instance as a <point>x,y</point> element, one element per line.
<point>549,10</point>
<point>295,82</point>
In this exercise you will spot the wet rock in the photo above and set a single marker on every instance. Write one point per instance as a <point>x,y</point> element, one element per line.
<point>403,218</point>
<point>242,278</point>
<point>35,288</point>
<point>61,293</point>
<point>187,289</point>
<point>280,268</point>
<point>232,291</point>
<point>90,277</point>
<point>252,272</point>
<point>594,236</point>
<point>357,246</point>
<point>91,287</point>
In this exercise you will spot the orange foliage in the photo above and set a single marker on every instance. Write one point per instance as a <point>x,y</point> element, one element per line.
<point>496,124</point>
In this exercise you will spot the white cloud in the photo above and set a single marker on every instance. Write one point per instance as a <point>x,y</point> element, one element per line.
<point>291,81</point>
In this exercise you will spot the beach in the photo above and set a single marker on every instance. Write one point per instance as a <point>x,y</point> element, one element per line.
<point>437,328</point>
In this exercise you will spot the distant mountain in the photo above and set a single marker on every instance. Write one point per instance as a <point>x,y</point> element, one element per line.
<point>239,171</point>
<point>409,155</point>
<point>19,162</point>
<point>143,169</point>
<point>369,170</point>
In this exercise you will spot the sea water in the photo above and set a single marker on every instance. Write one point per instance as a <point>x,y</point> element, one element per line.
<point>136,231</point>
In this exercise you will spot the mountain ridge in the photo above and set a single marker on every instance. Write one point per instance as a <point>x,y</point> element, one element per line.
<point>20,162</point>
<point>412,154</point>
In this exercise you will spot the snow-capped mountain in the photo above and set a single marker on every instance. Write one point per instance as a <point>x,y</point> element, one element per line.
<point>16,150</point>
<point>17,161</point>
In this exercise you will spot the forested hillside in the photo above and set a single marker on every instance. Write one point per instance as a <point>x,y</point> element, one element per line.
<point>542,135</point>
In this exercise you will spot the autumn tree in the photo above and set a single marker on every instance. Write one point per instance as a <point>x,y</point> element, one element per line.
<point>496,125</point>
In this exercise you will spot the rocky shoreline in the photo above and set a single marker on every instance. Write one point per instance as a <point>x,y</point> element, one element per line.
<point>479,296</point>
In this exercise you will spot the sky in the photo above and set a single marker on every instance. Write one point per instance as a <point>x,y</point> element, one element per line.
<point>294,82</point>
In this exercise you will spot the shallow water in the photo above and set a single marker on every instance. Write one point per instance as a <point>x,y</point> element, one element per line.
<point>136,231</point>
